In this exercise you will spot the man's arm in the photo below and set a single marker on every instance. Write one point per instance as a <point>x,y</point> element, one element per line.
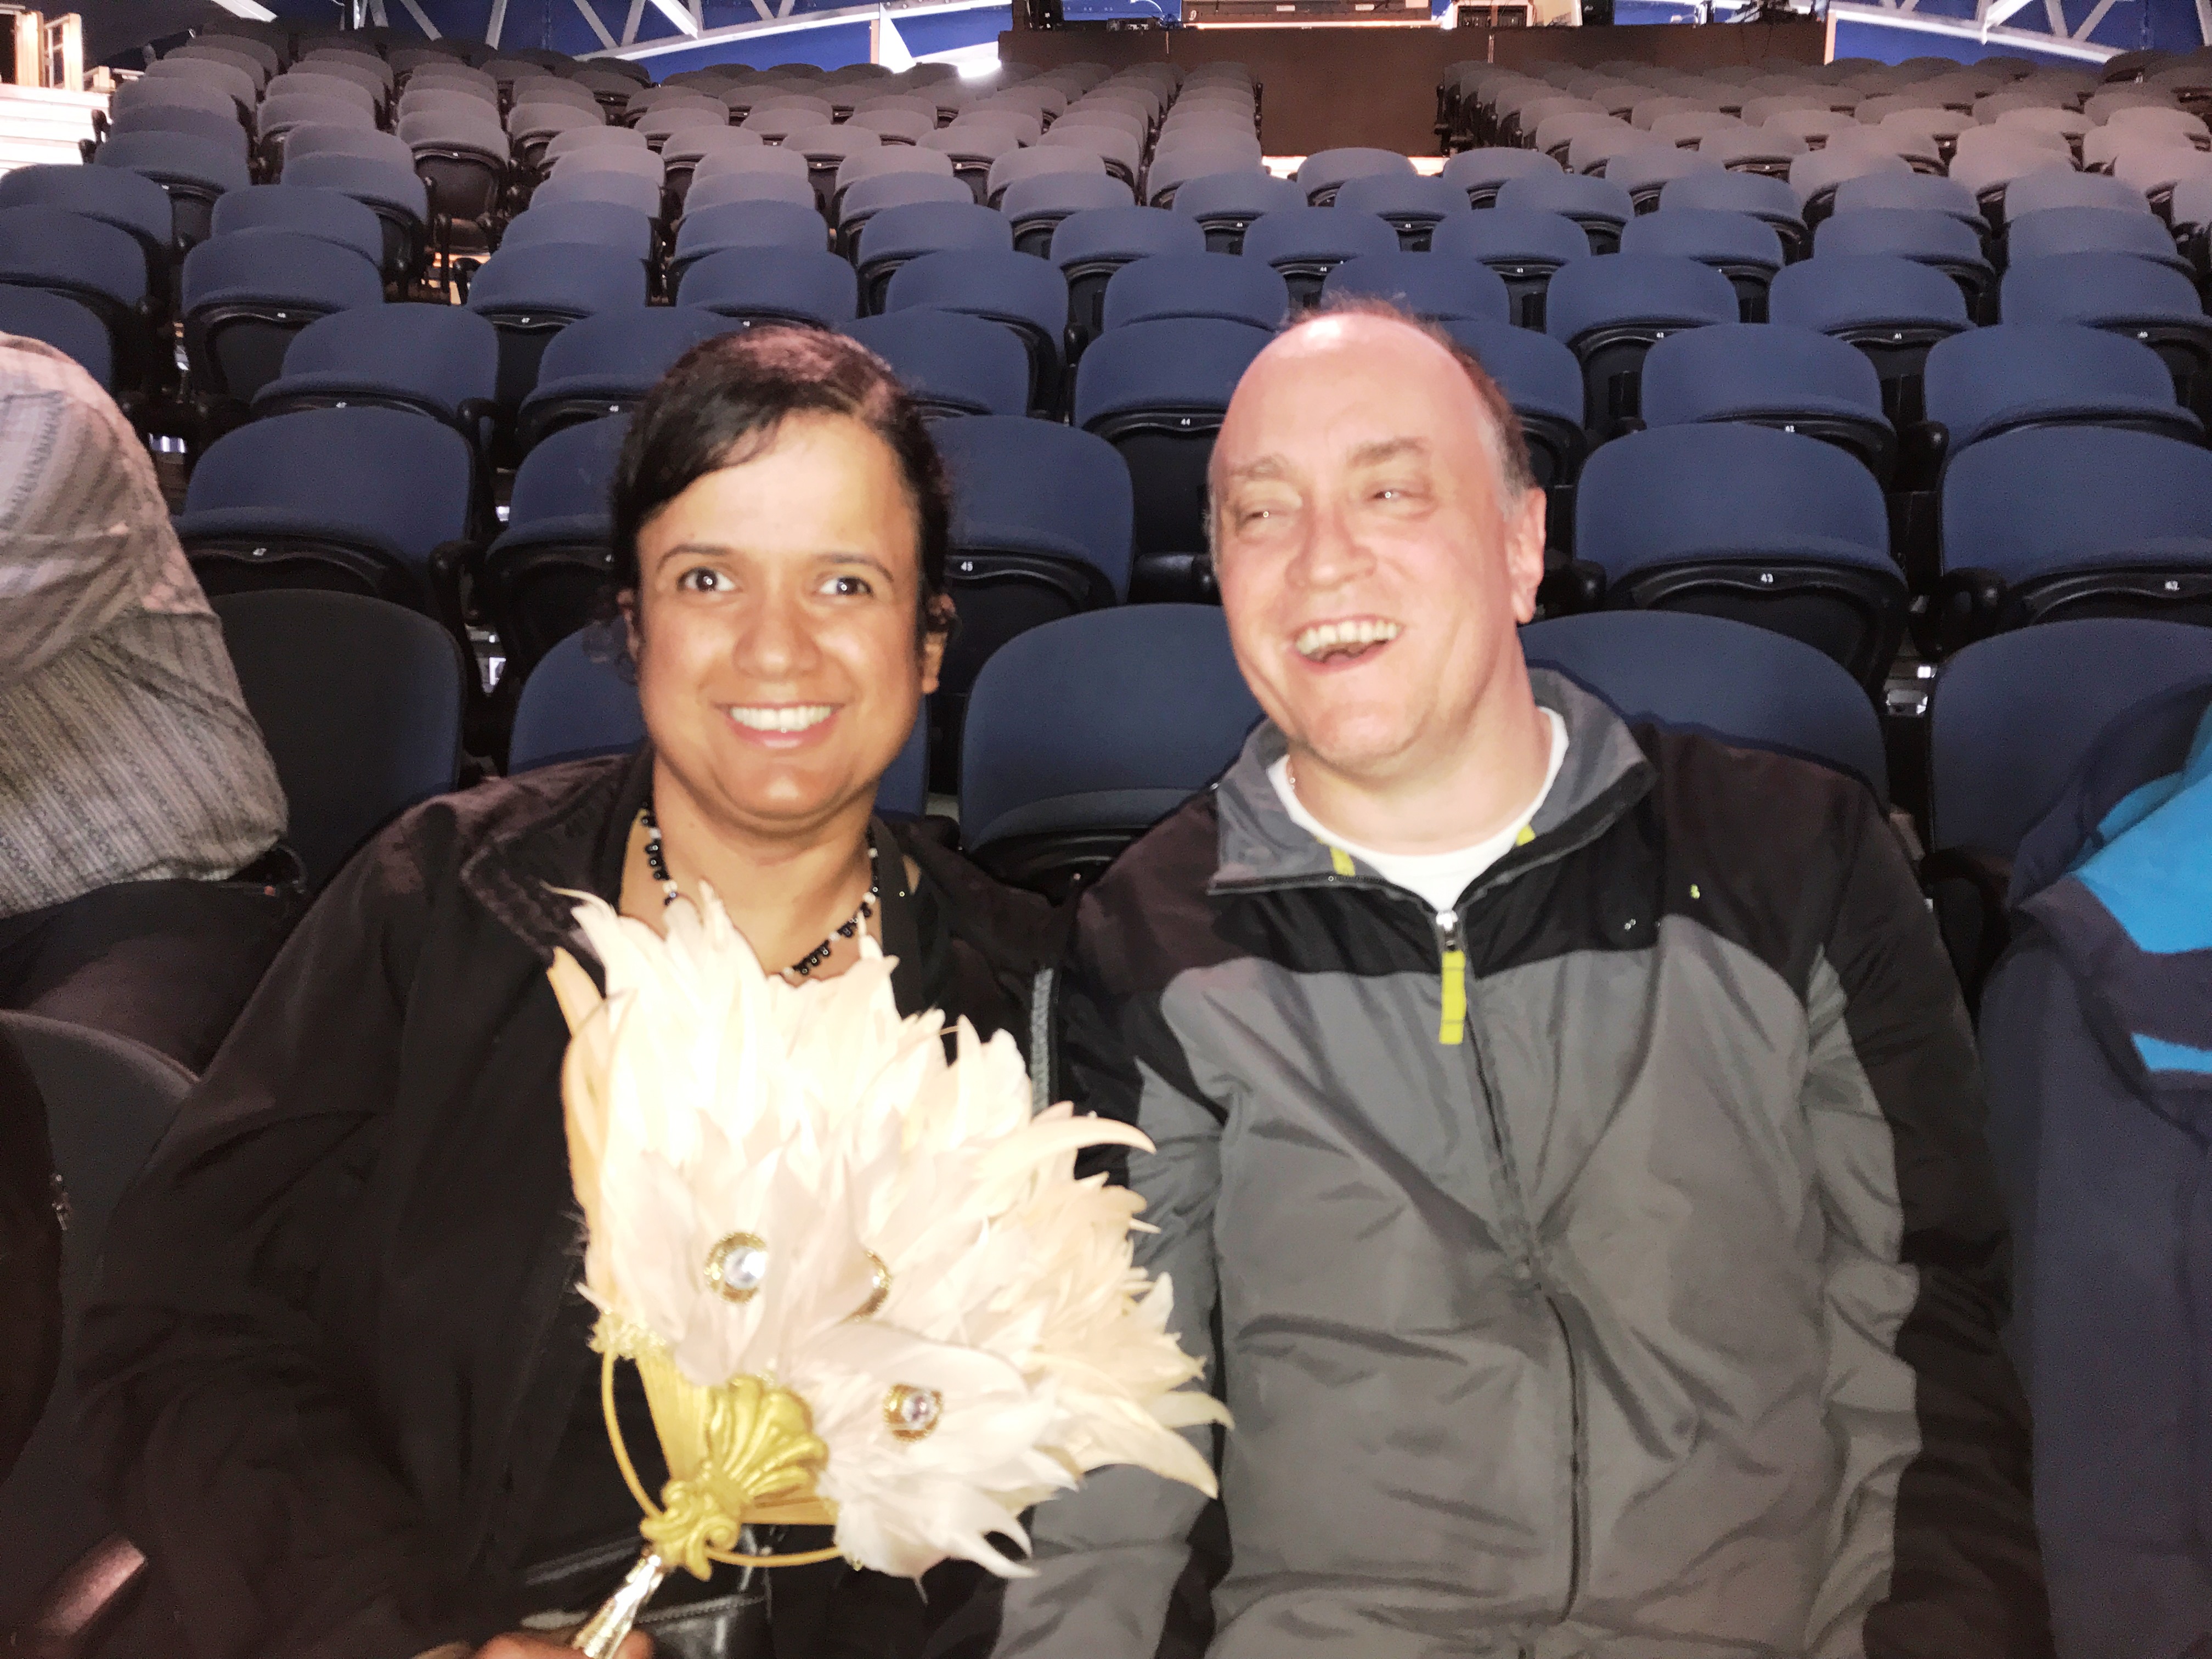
<point>1108,1556</point>
<point>1933,1550</point>
<point>81,521</point>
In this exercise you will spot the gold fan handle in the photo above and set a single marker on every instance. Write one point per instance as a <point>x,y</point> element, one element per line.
<point>598,1636</point>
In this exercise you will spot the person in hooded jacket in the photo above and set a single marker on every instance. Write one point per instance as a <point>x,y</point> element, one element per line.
<point>339,1383</point>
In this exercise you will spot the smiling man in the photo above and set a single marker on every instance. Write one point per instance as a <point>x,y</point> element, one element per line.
<point>1568,1134</point>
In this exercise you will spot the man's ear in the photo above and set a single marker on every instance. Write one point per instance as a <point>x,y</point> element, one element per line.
<point>940,618</point>
<point>1524,552</point>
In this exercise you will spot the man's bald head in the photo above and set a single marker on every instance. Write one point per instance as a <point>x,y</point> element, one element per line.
<point>1353,330</point>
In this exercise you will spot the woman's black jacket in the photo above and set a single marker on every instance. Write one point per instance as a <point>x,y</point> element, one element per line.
<point>336,1339</point>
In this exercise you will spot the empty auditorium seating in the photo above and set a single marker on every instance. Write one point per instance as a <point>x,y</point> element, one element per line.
<point>1747,686</point>
<point>1083,733</point>
<point>1798,541</point>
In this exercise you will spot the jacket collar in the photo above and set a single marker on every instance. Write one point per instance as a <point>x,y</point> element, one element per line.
<point>1261,845</point>
<point>573,836</point>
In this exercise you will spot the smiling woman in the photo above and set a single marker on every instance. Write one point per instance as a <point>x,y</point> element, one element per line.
<point>339,1374</point>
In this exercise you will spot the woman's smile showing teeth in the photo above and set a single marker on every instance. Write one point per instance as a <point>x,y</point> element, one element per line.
<point>781,717</point>
<point>1343,640</point>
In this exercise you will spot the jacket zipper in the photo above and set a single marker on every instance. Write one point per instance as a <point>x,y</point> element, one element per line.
<point>1451,1029</point>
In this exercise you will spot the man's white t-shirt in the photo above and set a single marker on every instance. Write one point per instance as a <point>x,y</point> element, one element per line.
<point>1438,877</point>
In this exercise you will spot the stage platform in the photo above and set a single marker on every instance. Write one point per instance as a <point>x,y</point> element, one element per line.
<point>1328,86</point>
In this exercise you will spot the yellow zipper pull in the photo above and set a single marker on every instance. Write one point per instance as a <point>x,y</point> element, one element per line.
<point>1452,1025</point>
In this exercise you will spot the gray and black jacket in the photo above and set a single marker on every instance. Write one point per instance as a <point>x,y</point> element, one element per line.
<point>1614,1268</point>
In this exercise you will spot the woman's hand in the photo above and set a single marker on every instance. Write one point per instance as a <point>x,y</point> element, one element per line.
<point>534,1644</point>
<point>531,1645</point>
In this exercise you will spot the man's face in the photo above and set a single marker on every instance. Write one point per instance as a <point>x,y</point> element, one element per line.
<point>1371,576</point>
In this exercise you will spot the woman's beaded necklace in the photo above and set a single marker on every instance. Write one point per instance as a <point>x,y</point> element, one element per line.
<point>657,862</point>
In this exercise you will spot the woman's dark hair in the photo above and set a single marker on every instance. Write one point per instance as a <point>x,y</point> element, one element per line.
<point>722,403</point>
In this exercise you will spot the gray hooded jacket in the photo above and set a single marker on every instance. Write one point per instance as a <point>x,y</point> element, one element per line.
<point>1615,1271</point>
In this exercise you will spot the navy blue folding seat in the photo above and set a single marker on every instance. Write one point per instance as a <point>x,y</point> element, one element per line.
<point>1931,237</point>
<point>134,96</point>
<point>597,224</point>
<point>133,204</point>
<point>1223,204</point>
<point>1305,244</point>
<point>1891,309</point>
<point>813,289</point>
<point>361,702</point>
<point>193,172</point>
<point>1610,312</point>
<point>1480,174</point>
<point>465,165</point>
<point>1644,172</point>
<point>546,574</point>
<point>393,193</point>
<point>2012,718</point>
<point>743,175</point>
<point>107,1100</point>
<point>1435,286</point>
<point>2020,374</point>
<point>897,234</point>
<point>246,294</point>
<point>1749,687</point>
<point>1599,206</point>
<point>320,138</point>
<point>604,364</point>
<point>1411,203</point>
<point>2057,230</point>
<point>529,294</point>
<point>1024,295</point>
<point>1322,174</point>
<point>216,127</point>
<point>867,197</point>
<point>1771,201</point>
<point>1040,530</point>
<point>1173,168</point>
<point>1525,248</point>
<point>61,323</point>
<point>1743,249</point>
<point>1771,374</point>
<point>367,500</point>
<point>579,700</point>
<point>706,231</point>
<point>303,212</point>
<point>1090,247</point>
<point>624,189</point>
<point>1926,193</point>
<point>2051,523</point>
<point>2126,295</point>
<point>1035,207</point>
<point>952,365</point>
<point>1083,734</point>
<point>437,360</point>
<point>2062,187</point>
<point>1197,285</point>
<point>1036,162</point>
<point>1157,392</point>
<point>95,264</point>
<point>1746,523</point>
<point>2092,1036</point>
<point>1544,383</point>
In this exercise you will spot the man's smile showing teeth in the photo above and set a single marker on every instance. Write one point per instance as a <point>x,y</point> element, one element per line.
<point>781,717</point>
<point>1353,636</point>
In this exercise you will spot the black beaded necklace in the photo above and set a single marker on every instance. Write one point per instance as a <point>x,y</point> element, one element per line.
<point>657,862</point>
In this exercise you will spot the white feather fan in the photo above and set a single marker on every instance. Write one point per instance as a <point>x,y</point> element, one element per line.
<point>792,1184</point>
